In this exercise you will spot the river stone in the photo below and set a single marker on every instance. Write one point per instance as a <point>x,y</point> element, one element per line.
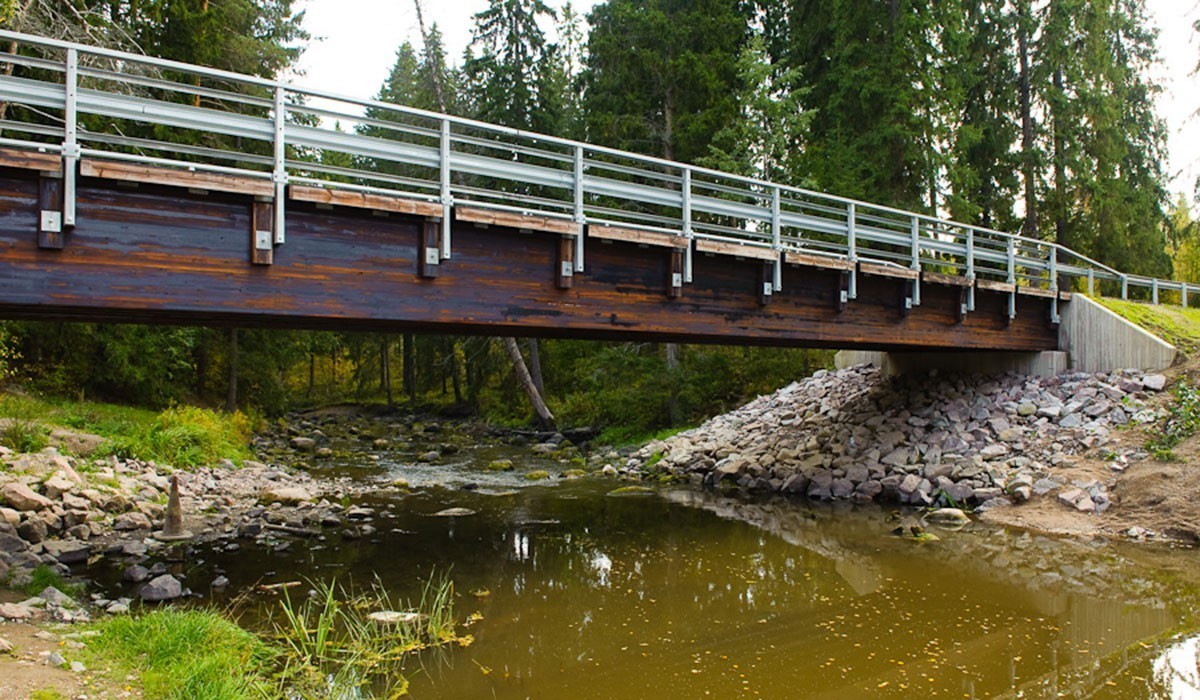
<point>12,611</point>
<point>22,498</point>
<point>1026,409</point>
<point>133,520</point>
<point>431,456</point>
<point>1154,382</point>
<point>165,587</point>
<point>33,530</point>
<point>454,513</point>
<point>136,573</point>
<point>10,516</point>
<point>948,515</point>
<point>796,484</point>
<point>910,484</point>
<point>1072,420</point>
<point>6,646</point>
<point>68,551</point>
<point>53,596</point>
<point>287,495</point>
<point>841,488</point>
<point>58,485</point>
<point>304,444</point>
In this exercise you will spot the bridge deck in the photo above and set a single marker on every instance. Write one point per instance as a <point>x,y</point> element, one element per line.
<point>162,245</point>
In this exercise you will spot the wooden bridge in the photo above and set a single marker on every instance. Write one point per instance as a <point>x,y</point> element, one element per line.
<point>137,189</point>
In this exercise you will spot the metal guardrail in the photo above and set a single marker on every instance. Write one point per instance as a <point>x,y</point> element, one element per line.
<point>80,101</point>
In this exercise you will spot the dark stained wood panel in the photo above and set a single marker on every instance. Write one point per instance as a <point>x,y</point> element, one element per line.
<point>163,254</point>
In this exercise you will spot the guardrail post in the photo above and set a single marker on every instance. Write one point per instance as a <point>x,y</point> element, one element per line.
<point>580,219</point>
<point>1012,277</point>
<point>1124,287</point>
<point>1154,291</point>
<point>1091,283</point>
<point>915,242</point>
<point>777,237</point>
<point>686,215</point>
<point>447,195</point>
<point>279,176</point>
<point>971,269</point>
<point>852,250</point>
<point>1183,294</point>
<point>1054,317</point>
<point>70,149</point>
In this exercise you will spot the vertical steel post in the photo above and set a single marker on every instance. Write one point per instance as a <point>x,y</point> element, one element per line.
<point>580,219</point>
<point>1183,291</point>
<point>686,214</point>
<point>777,237</point>
<point>852,250</point>
<point>1154,291</point>
<point>1012,277</point>
<point>279,176</point>
<point>1091,283</point>
<point>1054,317</point>
<point>915,263</point>
<point>447,195</point>
<point>1125,286</point>
<point>70,149</point>
<point>971,269</point>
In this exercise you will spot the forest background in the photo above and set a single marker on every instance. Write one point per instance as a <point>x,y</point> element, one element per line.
<point>1027,116</point>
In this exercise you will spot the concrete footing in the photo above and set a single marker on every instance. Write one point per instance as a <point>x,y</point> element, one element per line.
<point>1091,338</point>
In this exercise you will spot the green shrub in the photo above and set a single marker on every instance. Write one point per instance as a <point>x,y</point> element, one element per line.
<point>187,436</point>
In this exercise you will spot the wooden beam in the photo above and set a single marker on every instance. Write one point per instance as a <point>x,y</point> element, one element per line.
<point>994,286</point>
<point>50,205</point>
<point>365,200</point>
<point>827,262</point>
<point>566,262</point>
<point>1036,292</point>
<point>675,274</point>
<point>30,160</point>
<point>495,217</point>
<point>739,250</point>
<point>262,233</point>
<point>949,280</point>
<point>631,235</point>
<point>897,272</point>
<point>176,177</point>
<point>429,252</point>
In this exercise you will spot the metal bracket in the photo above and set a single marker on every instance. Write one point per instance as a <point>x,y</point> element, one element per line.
<point>676,279</point>
<point>568,269</point>
<point>51,221</point>
<point>263,240</point>
<point>432,256</point>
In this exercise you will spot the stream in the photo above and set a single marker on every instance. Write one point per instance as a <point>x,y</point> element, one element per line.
<point>683,593</point>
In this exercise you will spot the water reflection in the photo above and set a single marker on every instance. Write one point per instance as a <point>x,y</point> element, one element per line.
<point>696,595</point>
<point>1177,670</point>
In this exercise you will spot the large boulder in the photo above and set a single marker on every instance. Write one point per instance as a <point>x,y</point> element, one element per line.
<point>287,495</point>
<point>133,520</point>
<point>22,498</point>
<point>68,551</point>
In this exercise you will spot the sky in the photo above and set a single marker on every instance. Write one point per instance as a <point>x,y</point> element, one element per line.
<point>351,57</point>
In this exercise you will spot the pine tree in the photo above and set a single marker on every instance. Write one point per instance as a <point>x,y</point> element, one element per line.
<point>661,75</point>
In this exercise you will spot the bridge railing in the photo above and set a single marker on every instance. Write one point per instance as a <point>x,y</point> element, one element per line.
<point>79,101</point>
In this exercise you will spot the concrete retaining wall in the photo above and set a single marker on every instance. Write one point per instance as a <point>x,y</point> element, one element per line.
<point>1091,338</point>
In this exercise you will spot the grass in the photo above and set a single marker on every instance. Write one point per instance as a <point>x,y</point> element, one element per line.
<point>43,577</point>
<point>1174,324</point>
<point>334,650</point>
<point>1183,420</point>
<point>185,655</point>
<point>619,436</point>
<point>183,436</point>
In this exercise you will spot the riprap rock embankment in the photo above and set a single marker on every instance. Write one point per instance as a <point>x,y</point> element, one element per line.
<point>935,439</point>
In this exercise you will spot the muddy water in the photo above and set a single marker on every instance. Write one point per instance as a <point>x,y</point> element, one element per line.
<point>683,594</point>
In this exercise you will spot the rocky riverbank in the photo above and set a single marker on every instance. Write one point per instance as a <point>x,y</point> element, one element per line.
<point>952,440</point>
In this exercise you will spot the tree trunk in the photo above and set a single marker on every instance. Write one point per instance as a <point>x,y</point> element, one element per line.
<point>231,388</point>
<point>1060,169</point>
<point>456,370</point>
<point>545,419</point>
<point>410,368</point>
<point>672,350</point>
<point>385,368</point>
<point>535,364</point>
<point>1030,227</point>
